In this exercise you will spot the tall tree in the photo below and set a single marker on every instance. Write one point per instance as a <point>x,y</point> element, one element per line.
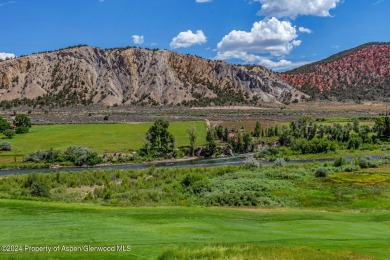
<point>192,135</point>
<point>257,131</point>
<point>248,143</point>
<point>379,126</point>
<point>160,139</point>
<point>211,144</point>
<point>356,125</point>
<point>22,120</point>
<point>22,123</point>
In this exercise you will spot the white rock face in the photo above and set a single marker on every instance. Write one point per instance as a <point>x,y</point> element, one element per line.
<point>86,75</point>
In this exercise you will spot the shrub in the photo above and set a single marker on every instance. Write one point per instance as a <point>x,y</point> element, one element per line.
<point>36,157</point>
<point>4,146</point>
<point>354,143</point>
<point>280,162</point>
<point>252,163</point>
<point>269,151</point>
<point>21,129</point>
<point>189,179</point>
<point>385,147</point>
<point>366,163</point>
<point>321,173</point>
<point>50,156</point>
<point>339,162</point>
<point>9,133</point>
<point>352,168</point>
<point>88,159</point>
<point>54,156</point>
<point>39,190</point>
<point>73,153</point>
<point>77,155</point>
<point>22,120</point>
<point>4,124</point>
<point>385,159</point>
<point>313,146</point>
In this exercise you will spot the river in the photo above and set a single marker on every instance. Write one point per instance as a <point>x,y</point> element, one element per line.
<point>237,160</point>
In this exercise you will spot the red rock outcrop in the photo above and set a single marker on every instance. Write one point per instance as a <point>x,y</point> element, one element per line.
<point>365,67</point>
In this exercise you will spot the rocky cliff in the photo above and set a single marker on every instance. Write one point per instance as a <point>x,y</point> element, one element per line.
<point>362,73</point>
<point>87,75</point>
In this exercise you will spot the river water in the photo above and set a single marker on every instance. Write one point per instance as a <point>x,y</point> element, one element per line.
<point>237,160</point>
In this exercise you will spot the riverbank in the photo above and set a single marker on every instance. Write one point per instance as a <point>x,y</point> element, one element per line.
<point>192,162</point>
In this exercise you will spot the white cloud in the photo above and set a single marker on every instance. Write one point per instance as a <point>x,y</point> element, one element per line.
<point>279,65</point>
<point>138,39</point>
<point>187,39</point>
<point>4,55</point>
<point>7,3</point>
<point>294,8</point>
<point>267,36</point>
<point>203,1</point>
<point>266,44</point>
<point>304,30</point>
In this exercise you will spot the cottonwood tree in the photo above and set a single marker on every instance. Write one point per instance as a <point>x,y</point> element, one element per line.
<point>159,138</point>
<point>22,123</point>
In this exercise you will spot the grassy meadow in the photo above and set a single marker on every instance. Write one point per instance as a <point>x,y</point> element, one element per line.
<point>270,212</point>
<point>317,210</point>
<point>99,137</point>
<point>179,233</point>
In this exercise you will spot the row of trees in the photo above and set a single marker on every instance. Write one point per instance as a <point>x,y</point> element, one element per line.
<point>303,135</point>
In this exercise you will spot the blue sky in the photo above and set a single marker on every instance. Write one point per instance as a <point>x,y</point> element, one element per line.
<point>279,34</point>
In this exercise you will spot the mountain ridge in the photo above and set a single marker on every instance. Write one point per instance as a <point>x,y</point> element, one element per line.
<point>88,75</point>
<point>360,73</point>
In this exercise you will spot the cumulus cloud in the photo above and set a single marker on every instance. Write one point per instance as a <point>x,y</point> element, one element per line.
<point>266,44</point>
<point>294,8</point>
<point>267,36</point>
<point>187,39</point>
<point>4,55</point>
<point>249,58</point>
<point>203,1</point>
<point>304,30</point>
<point>138,39</point>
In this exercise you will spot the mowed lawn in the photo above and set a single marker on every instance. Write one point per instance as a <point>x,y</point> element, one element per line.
<point>99,137</point>
<point>151,231</point>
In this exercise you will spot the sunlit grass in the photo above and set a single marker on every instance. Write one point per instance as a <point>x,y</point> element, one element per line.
<point>101,138</point>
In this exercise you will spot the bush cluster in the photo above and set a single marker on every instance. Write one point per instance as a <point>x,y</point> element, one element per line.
<point>77,155</point>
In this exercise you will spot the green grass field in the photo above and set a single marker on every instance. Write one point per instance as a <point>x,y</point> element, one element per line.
<point>101,138</point>
<point>151,231</point>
